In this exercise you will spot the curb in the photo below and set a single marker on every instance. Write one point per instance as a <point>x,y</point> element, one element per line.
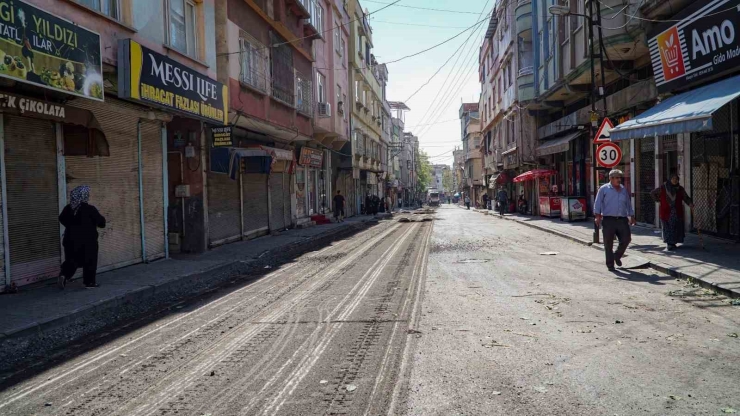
<point>238,267</point>
<point>660,267</point>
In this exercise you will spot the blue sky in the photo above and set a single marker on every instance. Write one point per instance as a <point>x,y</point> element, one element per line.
<point>402,37</point>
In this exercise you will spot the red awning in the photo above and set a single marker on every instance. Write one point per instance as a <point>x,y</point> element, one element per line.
<point>534,174</point>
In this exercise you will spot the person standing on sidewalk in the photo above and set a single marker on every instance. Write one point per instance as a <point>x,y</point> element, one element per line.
<point>613,209</point>
<point>81,222</point>
<point>467,201</point>
<point>502,198</point>
<point>339,206</point>
<point>672,196</point>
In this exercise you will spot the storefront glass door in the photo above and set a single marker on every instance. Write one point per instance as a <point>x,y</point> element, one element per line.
<point>312,198</point>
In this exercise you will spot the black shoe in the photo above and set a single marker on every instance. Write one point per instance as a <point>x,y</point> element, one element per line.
<point>92,286</point>
<point>611,269</point>
<point>618,262</point>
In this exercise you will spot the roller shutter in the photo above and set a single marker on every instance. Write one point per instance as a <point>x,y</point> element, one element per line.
<point>33,204</point>
<point>287,192</point>
<point>114,182</point>
<point>224,210</point>
<point>255,203</point>
<point>277,213</point>
<point>151,152</point>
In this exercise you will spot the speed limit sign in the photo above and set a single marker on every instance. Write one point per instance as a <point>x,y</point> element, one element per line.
<point>608,155</point>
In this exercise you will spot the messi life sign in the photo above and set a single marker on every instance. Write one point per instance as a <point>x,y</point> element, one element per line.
<point>704,43</point>
<point>150,77</point>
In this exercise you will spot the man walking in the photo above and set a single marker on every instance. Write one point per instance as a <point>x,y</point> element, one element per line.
<point>613,209</point>
<point>503,199</point>
<point>339,206</point>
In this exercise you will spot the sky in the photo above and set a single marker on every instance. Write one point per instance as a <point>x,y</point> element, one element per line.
<point>399,31</point>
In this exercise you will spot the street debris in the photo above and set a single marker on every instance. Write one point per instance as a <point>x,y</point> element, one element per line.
<point>268,267</point>
<point>496,393</point>
<point>618,322</point>
<point>493,343</point>
<point>47,404</point>
<point>540,389</point>
<point>523,318</point>
<point>549,253</point>
<point>323,381</point>
<point>732,335</point>
<point>735,302</point>
<point>351,387</point>
<point>728,410</point>
<point>673,397</point>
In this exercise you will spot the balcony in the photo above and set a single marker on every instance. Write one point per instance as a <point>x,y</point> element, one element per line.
<point>300,8</point>
<point>523,15</point>
<point>312,25</point>
<point>525,84</point>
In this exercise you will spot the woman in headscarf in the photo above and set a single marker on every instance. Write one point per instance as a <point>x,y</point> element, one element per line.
<point>81,222</point>
<point>671,197</point>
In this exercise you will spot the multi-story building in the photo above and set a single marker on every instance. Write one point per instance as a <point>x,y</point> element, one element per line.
<point>507,127</point>
<point>561,93</point>
<point>470,126</point>
<point>367,109</point>
<point>106,111</point>
<point>438,174</point>
<point>397,152</point>
<point>672,136</point>
<point>458,170</point>
<point>385,186</point>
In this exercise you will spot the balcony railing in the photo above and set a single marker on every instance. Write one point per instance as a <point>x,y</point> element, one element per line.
<point>304,94</point>
<point>301,8</point>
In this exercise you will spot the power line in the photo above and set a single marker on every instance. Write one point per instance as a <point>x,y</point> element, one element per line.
<point>424,8</point>
<point>429,124</point>
<point>417,24</point>
<point>310,36</point>
<point>445,62</point>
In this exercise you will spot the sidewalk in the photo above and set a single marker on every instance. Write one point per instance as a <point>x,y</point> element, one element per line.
<point>716,267</point>
<point>45,307</point>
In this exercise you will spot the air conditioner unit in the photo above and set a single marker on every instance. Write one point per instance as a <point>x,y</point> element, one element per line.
<point>325,109</point>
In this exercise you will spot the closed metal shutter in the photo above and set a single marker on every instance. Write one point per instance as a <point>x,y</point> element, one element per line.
<point>151,152</point>
<point>277,215</point>
<point>255,203</point>
<point>114,182</point>
<point>224,210</point>
<point>288,213</point>
<point>33,199</point>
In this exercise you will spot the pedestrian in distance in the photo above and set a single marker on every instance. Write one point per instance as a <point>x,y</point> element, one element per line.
<point>502,198</point>
<point>339,206</point>
<point>467,201</point>
<point>81,222</point>
<point>671,197</point>
<point>613,210</point>
<point>485,201</point>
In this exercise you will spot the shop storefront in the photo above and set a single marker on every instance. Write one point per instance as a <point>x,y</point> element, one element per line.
<point>310,183</point>
<point>693,133</point>
<point>564,156</point>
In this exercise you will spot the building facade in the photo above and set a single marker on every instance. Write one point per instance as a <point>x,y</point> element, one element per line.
<point>470,125</point>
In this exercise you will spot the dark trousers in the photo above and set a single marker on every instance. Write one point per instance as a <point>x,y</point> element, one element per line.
<point>339,211</point>
<point>84,256</point>
<point>615,227</point>
<point>501,207</point>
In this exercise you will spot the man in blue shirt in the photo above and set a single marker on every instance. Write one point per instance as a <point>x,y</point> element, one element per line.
<point>613,210</point>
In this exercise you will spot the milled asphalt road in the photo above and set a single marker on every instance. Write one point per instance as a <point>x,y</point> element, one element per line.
<point>321,335</point>
<point>462,316</point>
<point>509,331</point>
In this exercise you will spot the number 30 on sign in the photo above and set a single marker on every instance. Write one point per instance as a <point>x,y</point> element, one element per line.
<point>608,155</point>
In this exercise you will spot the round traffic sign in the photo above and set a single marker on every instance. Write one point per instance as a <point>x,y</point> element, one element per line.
<point>608,155</point>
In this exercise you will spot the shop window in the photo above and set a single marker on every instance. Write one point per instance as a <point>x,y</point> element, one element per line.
<point>83,141</point>
<point>109,8</point>
<point>182,26</point>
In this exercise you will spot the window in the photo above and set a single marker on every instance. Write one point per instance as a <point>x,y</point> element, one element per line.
<point>580,9</point>
<point>321,87</point>
<point>319,19</point>
<point>344,100</point>
<point>182,19</point>
<point>303,96</point>
<point>282,73</point>
<point>359,45</point>
<point>337,38</point>
<point>367,53</point>
<point>106,7</point>
<point>252,62</point>
<point>342,48</point>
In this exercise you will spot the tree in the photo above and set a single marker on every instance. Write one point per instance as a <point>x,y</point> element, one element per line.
<point>423,173</point>
<point>447,181</point>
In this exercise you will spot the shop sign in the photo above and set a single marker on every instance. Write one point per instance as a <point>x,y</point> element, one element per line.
<point>150,77</point>
<point>221,136</point>
<point>705,42</point>
<point>311,157</point>
<point>42,49</point>
<point>30,106</point>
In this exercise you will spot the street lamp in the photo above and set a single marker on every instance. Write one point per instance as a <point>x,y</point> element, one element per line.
<point>560,10</point>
